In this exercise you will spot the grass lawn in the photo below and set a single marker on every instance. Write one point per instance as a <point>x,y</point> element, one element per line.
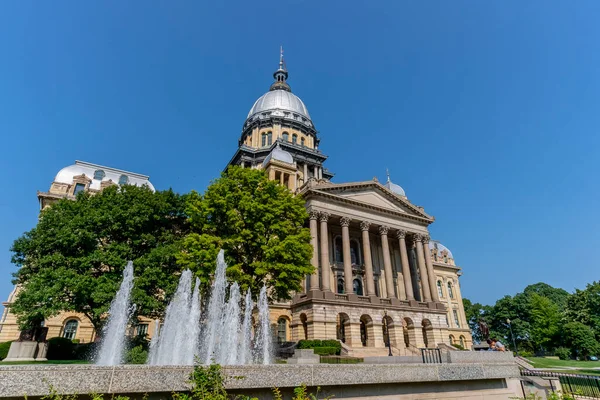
<point>50,362</point>
<point>595,372</point>
<point>541,362</point>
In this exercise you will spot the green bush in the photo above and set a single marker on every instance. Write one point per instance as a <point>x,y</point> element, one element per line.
<point>4,347</point>
<point>341,360</point>
<point>84,351</point>
<point>315,344</point>
<point>325,351</point>
<point>526,353</point>
<point>136,355</point>
<point>562,353</point>
<point>458,346</point>
<point>60,349</point>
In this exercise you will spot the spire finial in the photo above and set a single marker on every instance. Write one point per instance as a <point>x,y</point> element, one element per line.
<point>281,74</point>
<point>387,172</point>
<point>281,62</point>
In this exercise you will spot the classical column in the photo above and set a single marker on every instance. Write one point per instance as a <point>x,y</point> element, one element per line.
<point>325,267</point>
<point>410,295</point>
<point>364,227</point>
<point>314,278</point>
<point>387,262</point>
<point>422,267</point>
<point>305,172</point>
<point>345,223</point>
<point>316,172</point>
<point>430,273</point>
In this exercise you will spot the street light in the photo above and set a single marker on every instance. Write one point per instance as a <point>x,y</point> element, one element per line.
<point>387,331</point>
<point>512,336</point>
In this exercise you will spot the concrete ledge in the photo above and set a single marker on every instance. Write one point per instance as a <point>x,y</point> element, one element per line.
<point>18,381</point>
<point>480,357</point>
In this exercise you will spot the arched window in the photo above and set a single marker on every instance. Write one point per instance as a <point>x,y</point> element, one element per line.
<point>340,285</point>
<point>302,141</point>
<point>264,140</point>
<point>450,291</point>
<point>269,138</point>
<point>451,339</point>
<point>99,174</point>
<point>281,330</point>
<point>462,342</point>
<point>123,180</point>
<point>294,138</point>
<point>456,321</point>
<point>79,187</point>
<point>70,329</point>
<point>286,136</point>
<point>439,288</point>
<point>357,285</point>
<point>355,252</point>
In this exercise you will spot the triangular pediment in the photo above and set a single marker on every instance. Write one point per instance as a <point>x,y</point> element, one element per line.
<point>373,195</point>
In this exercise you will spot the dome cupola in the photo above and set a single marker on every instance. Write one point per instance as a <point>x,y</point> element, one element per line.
<point>397,189</point>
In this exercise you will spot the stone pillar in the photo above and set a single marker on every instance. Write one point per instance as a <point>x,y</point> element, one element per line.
<point>430,272</point>
<point>314,278</point>
<point>325,267</point>
<point>281,178</point>
<point>410,295</point>
<point>422,267</point>
<point>345,223</point>
<point>370,284</point>
<point>320,172</point>
<point>387,262</point>
<point>305,172</point>
<point>316,172</point>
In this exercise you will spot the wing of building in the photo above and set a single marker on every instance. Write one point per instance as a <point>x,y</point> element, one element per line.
<point>379,277</point>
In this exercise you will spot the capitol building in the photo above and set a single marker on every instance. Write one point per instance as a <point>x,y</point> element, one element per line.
<point>379,280</point>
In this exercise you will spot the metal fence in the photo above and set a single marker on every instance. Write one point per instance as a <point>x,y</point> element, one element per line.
<point>431,356</point>
<point>582,386</point>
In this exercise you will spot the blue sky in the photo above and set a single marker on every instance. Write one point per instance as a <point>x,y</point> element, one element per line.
<point>485,112</point>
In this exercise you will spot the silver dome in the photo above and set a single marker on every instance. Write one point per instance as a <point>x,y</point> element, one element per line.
<point>434,244</point>
<point>395,188</point>
<point>279,100</point>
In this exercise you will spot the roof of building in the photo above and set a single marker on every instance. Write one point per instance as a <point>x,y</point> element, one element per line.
<point>279,100</point>
<point>280,155</point>
<point>434,244</point>
<point>99,173</point>
<point>394,187</point>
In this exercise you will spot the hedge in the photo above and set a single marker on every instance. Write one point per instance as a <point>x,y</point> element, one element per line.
<point>60,349</point>
<point>325,351</point>
<point>316,344</point>
<point>4,347</point>
<point>341,360</point>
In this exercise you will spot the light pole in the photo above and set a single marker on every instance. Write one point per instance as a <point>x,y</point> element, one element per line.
<point>513,337</point>
<point>387,332</point>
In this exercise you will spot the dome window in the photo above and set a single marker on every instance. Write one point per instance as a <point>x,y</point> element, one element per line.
<point>294,138</point>
<point>286,136</point>
<point>269,138</point>
<point>123,180</point>
<point>79,187</point>
<point>99,174</point>
<point>264,139</point>
<point>302,141</point>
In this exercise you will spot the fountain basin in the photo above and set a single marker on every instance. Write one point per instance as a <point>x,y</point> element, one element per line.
<point>347,381</point>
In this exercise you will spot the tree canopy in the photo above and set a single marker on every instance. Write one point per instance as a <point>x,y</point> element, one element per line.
<point>543,318</point>
<point>260,225</point>
<point>74,258</point>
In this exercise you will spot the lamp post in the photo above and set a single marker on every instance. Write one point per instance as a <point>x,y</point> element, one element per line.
<point>512,336</point>
<point>387,332</point>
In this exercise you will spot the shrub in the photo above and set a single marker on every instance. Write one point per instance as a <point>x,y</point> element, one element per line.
<point>84,351</point>
<point>458,346</point>
<point>4,347</point>
<point>563,353</point>
<point>316,344</point>
<point>341,360</point>
<point>525,353</point>
<point>136,355</point>
<point>325,351</point>
<point>60,349</point>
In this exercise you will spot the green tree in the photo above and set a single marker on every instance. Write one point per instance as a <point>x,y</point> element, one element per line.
<point>74,258</point>
<point>545,319</point>
<point>580,338</point>
<point>476,312</point>
<point>584,306</point>
<point>260,225</point>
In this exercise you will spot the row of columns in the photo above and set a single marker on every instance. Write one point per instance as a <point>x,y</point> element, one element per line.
<point>318,222</point>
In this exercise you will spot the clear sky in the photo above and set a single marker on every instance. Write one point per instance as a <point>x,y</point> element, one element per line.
<point>487,113</point>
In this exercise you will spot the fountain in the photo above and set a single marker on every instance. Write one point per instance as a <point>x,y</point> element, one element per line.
<point>225,335</point>
<point>113,334</point>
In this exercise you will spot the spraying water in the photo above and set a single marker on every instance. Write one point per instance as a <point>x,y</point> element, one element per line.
<point>245,355</point>
<point>113,334</point>
<point>215,309</point>
<point>193,338</point>
<point>263,340</point>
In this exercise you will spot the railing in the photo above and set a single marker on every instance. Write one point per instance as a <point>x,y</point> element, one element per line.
<point>341,296</point>
<point>364,299</point>
<point>386,301</point>
<point>582,386</point>
<point>431,356</point>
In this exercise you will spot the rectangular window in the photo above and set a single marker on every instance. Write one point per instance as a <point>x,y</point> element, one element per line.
<point>456,318</point>
<point>264,140</point>
<point>79,187</point>
<point>142,330</point>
